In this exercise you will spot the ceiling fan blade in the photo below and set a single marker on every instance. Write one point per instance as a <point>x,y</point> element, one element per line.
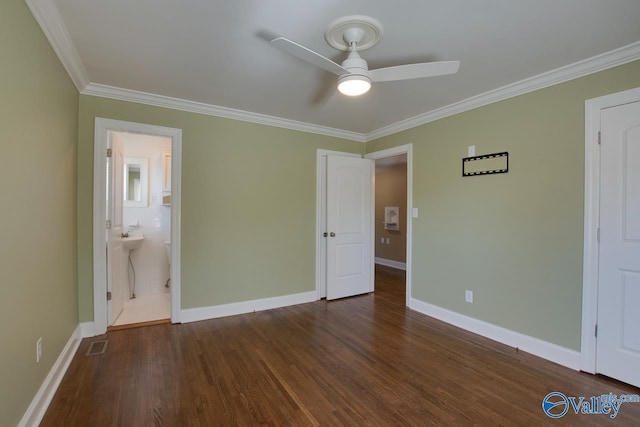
<point>308,55</point>
<point>414,71</point>
<point>325,90</point>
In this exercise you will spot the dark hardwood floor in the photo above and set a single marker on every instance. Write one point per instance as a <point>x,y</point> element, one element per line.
<point>359,361</point>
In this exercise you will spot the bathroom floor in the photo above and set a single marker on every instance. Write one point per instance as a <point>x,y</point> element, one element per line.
<point>145,308</point>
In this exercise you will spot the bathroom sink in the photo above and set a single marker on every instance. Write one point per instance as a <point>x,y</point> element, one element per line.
<point>132,242</point>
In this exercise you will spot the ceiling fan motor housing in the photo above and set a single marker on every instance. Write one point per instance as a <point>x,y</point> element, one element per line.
<point>356,65</point>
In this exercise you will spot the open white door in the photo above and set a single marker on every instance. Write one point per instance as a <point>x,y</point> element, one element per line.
<point>618,338</point>
<point>349,216</point>
<point>115,250</point>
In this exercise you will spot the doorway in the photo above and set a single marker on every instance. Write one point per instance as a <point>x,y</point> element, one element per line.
<point>140,285</point>
<point>321,216</point>
<point>394,216</point>
<point>611,276</point>
<point>390,219</point>
<point>136,233</point>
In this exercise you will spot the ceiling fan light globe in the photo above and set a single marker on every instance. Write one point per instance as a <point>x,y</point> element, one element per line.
<point>354,85</point>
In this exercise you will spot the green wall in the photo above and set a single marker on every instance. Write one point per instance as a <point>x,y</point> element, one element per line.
<point>514,239</point>
<point>38,118</point>
<point>248,204</point>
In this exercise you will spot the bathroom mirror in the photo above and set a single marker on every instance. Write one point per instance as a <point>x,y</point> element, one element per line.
<point>136,182</point>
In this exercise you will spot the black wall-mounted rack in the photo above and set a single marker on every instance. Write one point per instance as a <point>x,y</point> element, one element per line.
<point>466,160</point>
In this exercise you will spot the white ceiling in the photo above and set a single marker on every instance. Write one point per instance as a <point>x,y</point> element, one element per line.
<point>216,52</point>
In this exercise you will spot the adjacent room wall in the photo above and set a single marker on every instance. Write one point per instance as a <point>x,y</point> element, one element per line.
<point>514,239</point>
<point>248,204</point>
<point>38,118</point>
<point>391,190</point>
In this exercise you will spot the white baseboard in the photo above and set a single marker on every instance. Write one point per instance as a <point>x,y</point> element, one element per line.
<point>213,312</point>
<point>391,263</point>
<point>40,402</point>
<point>87,330</point>
<point>546,350</point>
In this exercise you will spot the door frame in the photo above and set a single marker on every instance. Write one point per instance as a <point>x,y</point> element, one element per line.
<point>321,193</point>
<point>395,151</point>
<point>101,139</point>
<point>591,259</point>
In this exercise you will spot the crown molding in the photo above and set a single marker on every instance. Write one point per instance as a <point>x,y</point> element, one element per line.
<point>121,94</point>
<point>48,17</point>
<point>578,69</point>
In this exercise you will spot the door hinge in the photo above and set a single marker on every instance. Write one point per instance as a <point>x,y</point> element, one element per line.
<point>598,234</point>
<point>596,331</point>
<point>599,137</point>
<point>109,152</point>
<point>108,224</point>
<point>108,295</point>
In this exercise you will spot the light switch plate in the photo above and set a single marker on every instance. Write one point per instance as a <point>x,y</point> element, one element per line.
<point>415,212</point>
<point>471,151</point>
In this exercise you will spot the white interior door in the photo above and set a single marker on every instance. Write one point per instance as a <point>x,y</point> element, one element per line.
<point>618,339</point>
<point>349,216</point>
<point>115,248</point>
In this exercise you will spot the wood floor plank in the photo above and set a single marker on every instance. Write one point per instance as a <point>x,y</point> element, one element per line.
<point>359,361</point>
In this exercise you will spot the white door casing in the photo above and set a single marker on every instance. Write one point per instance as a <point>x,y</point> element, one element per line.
<point>102,129</point>
<point>349,224</point>
<point>618,340</point>
<point>115,247</point>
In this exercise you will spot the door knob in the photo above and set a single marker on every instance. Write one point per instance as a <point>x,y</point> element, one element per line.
<point>332,234</point>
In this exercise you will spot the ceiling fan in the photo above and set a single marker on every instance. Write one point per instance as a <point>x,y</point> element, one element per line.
<point>353,34</point>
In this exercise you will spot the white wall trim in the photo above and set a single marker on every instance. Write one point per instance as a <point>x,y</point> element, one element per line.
<point>87,330</point>
<point>578,69</point>
<point>546,350</point>
<point>244,307</point>
<point>394,151</point>
<point>215,110</point>
<point>391,263</point>
<point>591,261</point>
<point>48,17</point>
<point>102,128</point>
<point>47,390</point>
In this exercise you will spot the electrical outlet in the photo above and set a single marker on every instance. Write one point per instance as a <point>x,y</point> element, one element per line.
<point>382,240</point>
<point>468,296</point>
<point>38,350</point>
<point>387,240</point>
